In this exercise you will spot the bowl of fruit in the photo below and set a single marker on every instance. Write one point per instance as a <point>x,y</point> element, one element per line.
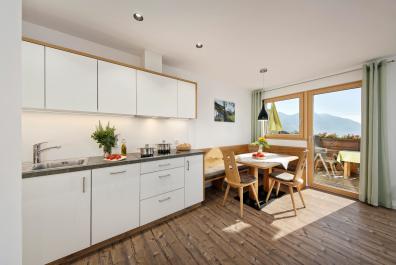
<point>258,155</point>
<point>115,157</point>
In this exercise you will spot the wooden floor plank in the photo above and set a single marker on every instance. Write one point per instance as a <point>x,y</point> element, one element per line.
<point>330,230</point>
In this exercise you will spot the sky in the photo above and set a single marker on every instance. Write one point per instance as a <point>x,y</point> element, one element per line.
<point>345,104</point>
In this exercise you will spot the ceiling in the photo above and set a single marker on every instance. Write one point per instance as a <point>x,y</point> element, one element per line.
<point>295,39</point>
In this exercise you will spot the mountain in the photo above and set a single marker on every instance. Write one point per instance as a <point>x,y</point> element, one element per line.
<point>323,123</point>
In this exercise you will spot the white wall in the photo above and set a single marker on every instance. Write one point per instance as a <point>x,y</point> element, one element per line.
<point>10,159</point>
<point>391,93</point>
<point>337,79</point>
<point>73,131</point>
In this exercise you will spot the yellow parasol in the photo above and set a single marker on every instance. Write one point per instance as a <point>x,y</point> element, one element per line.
<point>274,121</point>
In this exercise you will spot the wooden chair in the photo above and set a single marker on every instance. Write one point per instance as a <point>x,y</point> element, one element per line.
<point>290,180</point>
<point>236,180</point>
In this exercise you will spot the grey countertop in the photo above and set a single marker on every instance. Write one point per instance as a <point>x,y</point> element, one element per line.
<point>98,162</point>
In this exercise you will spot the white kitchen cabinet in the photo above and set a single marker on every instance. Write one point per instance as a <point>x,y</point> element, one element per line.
<point>156,95</point>
<point>32,75</point>
<point>159,182</point>
<point>115,201</point>
<point>193,180</point>
<point>160,206</point>
<point>116,89</point>
<point>162,164</point>
<point>56,216</point>
<point>71,81</point>
<point>186,100</point>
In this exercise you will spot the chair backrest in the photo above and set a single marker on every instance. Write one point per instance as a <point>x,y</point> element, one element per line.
<point>301,166</point>
<point>231,168</point>
<point>317,141</point>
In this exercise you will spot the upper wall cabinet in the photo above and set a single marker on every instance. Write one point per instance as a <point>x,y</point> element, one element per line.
<point>186,100</point>
<point>32,75</point>
<point>116,89</point>
<point>156,95</point>
<point>71,81</point>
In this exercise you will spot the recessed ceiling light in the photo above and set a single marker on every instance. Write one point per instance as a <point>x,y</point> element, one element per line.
<point>199,45</point>
<point>138,17</point>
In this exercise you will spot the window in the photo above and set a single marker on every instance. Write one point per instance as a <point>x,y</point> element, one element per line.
<point>286,114</point>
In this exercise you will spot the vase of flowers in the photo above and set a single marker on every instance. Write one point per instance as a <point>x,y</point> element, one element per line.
<point>105,137</point>
<point>262,143</point>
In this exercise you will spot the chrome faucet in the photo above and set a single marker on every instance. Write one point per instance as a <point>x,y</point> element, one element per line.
<point>37,151</point>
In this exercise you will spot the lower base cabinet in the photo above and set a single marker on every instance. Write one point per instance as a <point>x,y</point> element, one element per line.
<point>161,206</point>
<point>66,213</point>
<point>56,216</point>
<point>115,201</point>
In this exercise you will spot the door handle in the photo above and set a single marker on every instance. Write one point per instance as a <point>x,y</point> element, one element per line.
<point>163,200</point>
<point>164,165</point>
<point>118,172</point>
<point>188,165</point>
<point>164,176</point>
<point>83,185</point>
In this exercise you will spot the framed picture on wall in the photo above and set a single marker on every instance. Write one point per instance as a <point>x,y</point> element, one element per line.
<point>224,111</point>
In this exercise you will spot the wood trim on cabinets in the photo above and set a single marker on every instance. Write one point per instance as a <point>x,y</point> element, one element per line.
<point>302,117</point>
<point>309,95</point>
<point>103,59</point>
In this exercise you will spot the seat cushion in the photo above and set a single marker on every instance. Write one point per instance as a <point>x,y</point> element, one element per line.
<point>285,176</point>
<point>246,179</point>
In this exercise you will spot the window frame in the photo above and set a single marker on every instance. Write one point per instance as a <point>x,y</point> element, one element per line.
<point>302,124</point>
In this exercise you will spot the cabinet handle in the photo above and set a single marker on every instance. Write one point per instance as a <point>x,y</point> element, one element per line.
<point>164,176</point>
<point>164,165</point>
<point>188,165</point>
<point>118,172</point>
<point>163,200</point>
<point>83,188</point>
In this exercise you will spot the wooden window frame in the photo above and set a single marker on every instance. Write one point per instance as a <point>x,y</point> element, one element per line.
<point>302,124</point>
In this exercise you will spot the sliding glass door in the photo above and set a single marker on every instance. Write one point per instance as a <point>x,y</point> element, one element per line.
<point>334,130</point>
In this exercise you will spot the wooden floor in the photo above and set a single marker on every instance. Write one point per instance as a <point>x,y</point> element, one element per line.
<point>331,230</point>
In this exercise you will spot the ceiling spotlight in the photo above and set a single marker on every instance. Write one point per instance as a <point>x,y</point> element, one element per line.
<point>138,17</point>
<point>199,45</point>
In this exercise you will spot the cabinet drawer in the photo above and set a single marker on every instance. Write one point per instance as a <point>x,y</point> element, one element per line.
<point>161,206</point>
<point>153,166</point>
<point>156,183</point>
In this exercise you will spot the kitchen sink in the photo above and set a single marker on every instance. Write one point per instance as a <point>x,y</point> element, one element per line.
<point>60,164</point>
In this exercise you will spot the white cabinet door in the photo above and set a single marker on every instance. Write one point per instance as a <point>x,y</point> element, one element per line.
<point>56,216</point>
<point>32,75</point>
<point>156,95</point>
<point>160,206</point>
<point>71,81</point>
<point>186,100</point>
<point>156,183</point>
<point>115,201</point>
<point>193,180</point>
<point>116,89</point>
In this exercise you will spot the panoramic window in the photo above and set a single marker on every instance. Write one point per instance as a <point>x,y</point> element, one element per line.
<point>285,116</point>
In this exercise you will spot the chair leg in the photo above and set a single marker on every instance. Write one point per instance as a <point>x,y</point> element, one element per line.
<point>255,195</point>
<point>301,197</point>
<point>316,162</point>
<point>270,190</point>
<point>324,164</point>
<point>241,200</point>
<point>277,189</point>
<point>292,198</point>
<point>332,168</point>
<point>226,193</point>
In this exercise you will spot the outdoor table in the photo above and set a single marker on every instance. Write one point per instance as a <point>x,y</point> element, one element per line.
<point>348,157</point>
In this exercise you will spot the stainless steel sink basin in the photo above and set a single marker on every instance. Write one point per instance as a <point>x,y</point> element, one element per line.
<point>60,164</point>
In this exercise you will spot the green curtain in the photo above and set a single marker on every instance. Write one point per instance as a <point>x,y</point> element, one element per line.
<point>374,168</point>
<point>257,130</point>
